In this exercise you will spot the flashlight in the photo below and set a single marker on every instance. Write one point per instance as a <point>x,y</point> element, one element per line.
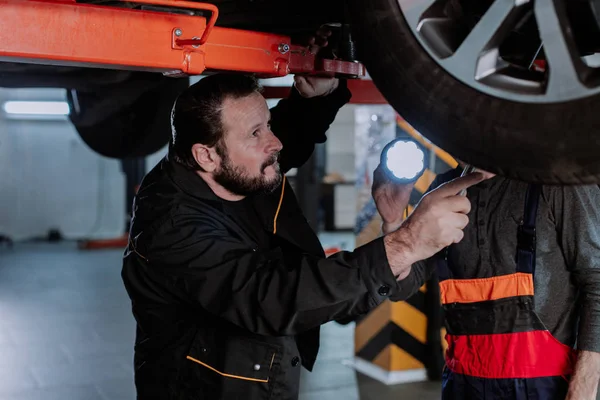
<point>403,160</point>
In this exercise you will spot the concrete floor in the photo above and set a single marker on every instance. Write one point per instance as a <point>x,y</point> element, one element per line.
<point>66,332</point>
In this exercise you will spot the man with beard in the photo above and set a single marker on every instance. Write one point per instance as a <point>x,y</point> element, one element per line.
<point>229,284</point>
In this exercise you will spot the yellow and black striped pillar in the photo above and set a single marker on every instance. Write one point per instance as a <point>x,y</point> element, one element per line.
<point>403,341</point>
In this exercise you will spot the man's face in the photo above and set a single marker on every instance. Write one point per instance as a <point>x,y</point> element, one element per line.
<point>249,152</point>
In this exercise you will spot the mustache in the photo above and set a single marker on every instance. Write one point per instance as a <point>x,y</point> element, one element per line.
<point>270,161</point>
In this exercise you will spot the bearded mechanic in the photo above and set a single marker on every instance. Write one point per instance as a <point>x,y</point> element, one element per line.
<point>520,292</point>
<point>228,282</point>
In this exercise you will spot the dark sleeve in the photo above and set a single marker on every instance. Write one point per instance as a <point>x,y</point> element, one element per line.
<point>577,214</point>
<point>271,293</point>
<point>300,123</point>
<point>420,273</point>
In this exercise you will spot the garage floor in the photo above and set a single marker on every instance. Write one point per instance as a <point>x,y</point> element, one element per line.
<point>66,332</point>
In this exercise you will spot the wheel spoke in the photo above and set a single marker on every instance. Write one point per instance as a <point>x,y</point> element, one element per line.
<point>559,48</point>
<point>413,10</point>
<point>474,56</point>
<point>479,51</point>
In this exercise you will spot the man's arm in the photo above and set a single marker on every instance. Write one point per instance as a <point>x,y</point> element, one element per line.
<point>194,261</point>
<point>584,383</point>
<point>577,214</point>
<point>301,122</point>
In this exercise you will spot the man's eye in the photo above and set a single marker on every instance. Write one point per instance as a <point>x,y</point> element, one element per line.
<point>255,134</point>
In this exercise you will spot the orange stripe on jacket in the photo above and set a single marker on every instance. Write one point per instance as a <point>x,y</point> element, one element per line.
<point>474,290</point>
<point>279,206</point>
<point>244,378</point>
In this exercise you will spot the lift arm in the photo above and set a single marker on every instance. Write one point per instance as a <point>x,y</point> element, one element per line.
<point>63,32</point>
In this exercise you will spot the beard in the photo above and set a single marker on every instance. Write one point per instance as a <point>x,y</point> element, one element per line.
<point>237,181</point>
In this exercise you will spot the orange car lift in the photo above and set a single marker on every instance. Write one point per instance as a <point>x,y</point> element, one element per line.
<point>64,32</point>
<point>67,33</point>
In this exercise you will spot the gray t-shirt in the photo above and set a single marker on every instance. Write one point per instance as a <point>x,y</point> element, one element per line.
<point>567,273</point>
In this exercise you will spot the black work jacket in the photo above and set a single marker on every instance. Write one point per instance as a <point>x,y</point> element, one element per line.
<point>219,317</point>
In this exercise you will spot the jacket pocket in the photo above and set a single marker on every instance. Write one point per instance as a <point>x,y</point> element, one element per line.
<point>231,367</point>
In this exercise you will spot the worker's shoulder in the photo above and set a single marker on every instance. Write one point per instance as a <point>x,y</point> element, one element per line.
<point>157,193</point>
<point>161,201</point>
<point>157,183</point>
<point>174,222</point>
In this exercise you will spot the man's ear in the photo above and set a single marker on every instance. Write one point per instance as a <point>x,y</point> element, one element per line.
<point>206,157</point>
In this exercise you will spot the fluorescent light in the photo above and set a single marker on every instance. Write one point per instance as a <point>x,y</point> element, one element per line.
<point>37,107</point>
<point>281,81</point>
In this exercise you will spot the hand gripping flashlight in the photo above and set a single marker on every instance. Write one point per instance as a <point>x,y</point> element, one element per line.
<point>403,160</point>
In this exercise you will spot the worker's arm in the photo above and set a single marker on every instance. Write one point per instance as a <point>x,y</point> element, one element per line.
<point>193,260</point>
<point>577,214</point>
<point>301,120</point>
<point>300,123</point>
<point>420,272</point>
<point>584,383</point>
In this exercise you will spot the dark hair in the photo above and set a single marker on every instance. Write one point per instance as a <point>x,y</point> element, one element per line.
<point>196,114</point>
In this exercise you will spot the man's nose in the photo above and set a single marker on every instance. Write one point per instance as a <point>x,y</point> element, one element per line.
<point>274,145</point>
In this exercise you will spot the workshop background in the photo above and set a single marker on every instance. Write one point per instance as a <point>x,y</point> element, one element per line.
<point>66,329</point>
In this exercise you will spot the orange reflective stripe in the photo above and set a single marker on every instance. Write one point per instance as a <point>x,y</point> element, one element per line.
<point>227,375</point>
<point>279,206</point>
<point>474,290</point>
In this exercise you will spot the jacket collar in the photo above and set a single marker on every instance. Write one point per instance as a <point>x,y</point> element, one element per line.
<point>188,181</point>
<point>278,211</point>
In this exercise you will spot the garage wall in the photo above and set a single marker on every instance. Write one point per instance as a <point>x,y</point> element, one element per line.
<point>340,144</point>
<point>50,179</point>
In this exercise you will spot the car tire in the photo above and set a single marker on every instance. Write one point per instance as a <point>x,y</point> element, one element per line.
<point>551,143</point>
<point>132,119</point>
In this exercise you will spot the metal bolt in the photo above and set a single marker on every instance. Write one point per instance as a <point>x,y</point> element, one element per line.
<point>284,48</point>
<point>178,32</point>
<point>257,367</point>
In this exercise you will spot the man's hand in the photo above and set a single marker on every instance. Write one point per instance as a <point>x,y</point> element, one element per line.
<point>437,222</point>
<point>313,86</point>
<point>584,382</point>
<point>391,199</point>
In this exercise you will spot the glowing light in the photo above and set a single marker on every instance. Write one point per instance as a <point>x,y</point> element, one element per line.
<point>37,107</point>
<point>404,159</point>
